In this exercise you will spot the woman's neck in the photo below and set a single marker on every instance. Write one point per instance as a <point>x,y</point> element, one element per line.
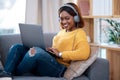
<point>72,29</point>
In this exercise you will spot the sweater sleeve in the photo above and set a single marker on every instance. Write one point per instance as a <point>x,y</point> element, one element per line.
<point>81,53</point>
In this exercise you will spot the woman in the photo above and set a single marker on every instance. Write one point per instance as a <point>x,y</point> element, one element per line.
<point>69,44</point>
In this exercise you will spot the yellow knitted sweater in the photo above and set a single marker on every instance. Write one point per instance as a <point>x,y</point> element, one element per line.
<point>73,46</point>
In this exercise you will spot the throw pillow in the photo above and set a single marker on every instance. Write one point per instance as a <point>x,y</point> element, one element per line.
<point>77,68</point>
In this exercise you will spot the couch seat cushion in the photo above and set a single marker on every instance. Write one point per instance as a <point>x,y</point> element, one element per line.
<point>36,78</point>
<point>82,77</point>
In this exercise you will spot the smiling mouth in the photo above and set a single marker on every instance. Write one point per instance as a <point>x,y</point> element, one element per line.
<point>65,26</point>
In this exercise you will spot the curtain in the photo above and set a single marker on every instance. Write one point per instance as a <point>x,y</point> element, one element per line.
<point>50,18</point>
<point>45,13</point>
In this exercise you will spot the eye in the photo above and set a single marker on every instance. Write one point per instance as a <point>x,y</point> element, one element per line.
<point>67,18</point>
<point>61,19</point>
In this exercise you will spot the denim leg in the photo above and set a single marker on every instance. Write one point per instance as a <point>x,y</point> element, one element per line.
<point>27,65</point>
<point>14,57</point>
<point>47,64</point>
<point>42,63</point>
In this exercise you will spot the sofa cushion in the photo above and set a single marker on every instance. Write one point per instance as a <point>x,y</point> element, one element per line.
<point>1,66</point>
<point>36,78</point>
<point>83,77</point>
<point>78,67</point>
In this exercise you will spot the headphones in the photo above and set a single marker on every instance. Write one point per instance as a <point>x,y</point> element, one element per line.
<point>76,17</point>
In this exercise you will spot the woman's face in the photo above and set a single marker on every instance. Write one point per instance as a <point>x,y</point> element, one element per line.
<point>67,21</point>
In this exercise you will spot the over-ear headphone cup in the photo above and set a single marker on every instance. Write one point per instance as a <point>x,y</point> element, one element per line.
<point>76,19</point>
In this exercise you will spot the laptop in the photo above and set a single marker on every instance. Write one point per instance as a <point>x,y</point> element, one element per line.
<point>32,35</point>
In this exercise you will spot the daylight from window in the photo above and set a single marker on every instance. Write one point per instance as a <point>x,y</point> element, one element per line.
<point>12,12</point>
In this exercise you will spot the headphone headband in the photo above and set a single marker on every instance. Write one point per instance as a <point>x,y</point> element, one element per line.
<point>68,5</point>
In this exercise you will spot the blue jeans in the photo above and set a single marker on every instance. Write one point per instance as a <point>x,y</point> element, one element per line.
<point>42,63</point>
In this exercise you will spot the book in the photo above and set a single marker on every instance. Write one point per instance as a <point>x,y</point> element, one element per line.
<point>84,6</point>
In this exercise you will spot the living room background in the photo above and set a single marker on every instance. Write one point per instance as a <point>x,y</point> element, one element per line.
<point>43,12</point>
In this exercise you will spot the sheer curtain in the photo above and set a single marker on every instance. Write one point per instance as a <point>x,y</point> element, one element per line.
<point>50,19</point>
<point>45,13</point>
<point>50,15</point>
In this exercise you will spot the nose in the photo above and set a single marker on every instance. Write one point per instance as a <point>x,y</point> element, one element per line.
<point>64,21</point>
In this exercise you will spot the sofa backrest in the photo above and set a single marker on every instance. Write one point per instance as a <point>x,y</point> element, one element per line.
<point>6,41</point>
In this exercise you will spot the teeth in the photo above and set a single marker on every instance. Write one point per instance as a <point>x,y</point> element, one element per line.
<point>65,25</point>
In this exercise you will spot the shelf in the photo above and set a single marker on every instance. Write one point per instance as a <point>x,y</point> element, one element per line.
<point>89,29</point>
<point>88,17</point>
<point>91,9</point>
<point>99,8</point>
<point>102,16</point>
<point>99,17</point>
<point>110,46</point>
<point>94,44</point>
<point>107,46</point>
<point>116,7</point>
<point>116,16</point>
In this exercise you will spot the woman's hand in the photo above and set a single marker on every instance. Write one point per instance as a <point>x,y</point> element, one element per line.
<point>53,51</point>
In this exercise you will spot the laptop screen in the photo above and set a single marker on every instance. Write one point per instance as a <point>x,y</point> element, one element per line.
<point>32,35</point>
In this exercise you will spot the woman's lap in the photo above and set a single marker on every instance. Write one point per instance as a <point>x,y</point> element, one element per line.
<point>42,63</point>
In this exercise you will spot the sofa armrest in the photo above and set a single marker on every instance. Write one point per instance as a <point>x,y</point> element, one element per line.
<point>99,70</point>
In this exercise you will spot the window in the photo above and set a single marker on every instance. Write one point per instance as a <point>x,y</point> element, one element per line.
<point>12,12</point>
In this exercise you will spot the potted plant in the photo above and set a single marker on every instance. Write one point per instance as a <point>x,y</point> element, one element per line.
<point>113,31</point>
